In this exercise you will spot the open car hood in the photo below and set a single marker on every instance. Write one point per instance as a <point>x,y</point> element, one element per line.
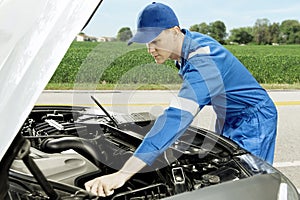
<point>34,36</point>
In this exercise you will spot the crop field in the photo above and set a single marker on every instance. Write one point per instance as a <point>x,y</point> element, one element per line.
<point>117,63</point>
<point>270,64</point>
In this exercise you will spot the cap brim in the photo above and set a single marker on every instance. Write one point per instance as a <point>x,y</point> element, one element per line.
<point>145,35</point>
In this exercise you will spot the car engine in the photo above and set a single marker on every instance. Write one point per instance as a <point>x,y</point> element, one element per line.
<point>72,145</point>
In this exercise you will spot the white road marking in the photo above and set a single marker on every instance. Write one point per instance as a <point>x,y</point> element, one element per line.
<point>287,164</point>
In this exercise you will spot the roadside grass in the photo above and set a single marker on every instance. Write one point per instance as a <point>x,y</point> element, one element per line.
<point>295,86</point>
<point>68,86</point>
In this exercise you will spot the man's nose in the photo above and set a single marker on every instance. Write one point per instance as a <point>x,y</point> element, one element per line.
<point>151,48</point>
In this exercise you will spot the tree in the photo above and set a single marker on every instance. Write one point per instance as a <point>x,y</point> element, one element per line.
<point>201,28</point>
<point>194,28</point>
<point>217,30</point>
<point>274,32</point>
<point>124,34</point>
<point>204,28</point>
<point>289,30</point>
<point>297,37</point>
<point>261,31</point>
<point>241,35</point>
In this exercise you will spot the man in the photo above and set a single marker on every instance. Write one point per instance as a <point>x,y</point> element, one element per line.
<point>211,76</point>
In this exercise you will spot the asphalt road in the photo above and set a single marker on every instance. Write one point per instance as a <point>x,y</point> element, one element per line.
<point>287,152</point>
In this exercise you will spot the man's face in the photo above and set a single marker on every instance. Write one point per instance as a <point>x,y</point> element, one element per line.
<point>162,46</point>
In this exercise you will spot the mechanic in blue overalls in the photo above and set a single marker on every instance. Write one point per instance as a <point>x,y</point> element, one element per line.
<point>211,76</point>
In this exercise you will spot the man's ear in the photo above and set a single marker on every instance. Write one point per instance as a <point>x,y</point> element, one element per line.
<point>177,29</point>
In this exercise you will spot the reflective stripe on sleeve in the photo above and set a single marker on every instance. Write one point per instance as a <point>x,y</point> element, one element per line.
<point>202,50</point>
<point>185,104</point>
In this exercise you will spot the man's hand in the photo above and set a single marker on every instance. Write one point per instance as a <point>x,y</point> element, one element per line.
<point>104,186</point>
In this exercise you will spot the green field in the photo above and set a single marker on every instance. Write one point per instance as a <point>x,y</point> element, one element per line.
<point>113,65</point>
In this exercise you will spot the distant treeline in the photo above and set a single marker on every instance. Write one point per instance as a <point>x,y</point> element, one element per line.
<point>263,32</point>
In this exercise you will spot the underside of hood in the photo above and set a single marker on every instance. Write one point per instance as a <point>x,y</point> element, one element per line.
<point>34,36</point>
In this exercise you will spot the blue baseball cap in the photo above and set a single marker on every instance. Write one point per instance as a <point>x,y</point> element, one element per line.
<point>152,20</point>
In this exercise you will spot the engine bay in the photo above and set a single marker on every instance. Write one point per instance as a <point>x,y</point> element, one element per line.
<point>72,145</point>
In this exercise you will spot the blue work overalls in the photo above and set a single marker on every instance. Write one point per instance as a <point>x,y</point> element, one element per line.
<point>213,76</point>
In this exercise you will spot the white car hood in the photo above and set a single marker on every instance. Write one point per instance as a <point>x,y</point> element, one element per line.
<point>34,36</point>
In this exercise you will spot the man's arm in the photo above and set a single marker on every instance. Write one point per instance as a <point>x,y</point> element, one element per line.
<point>105,185</point>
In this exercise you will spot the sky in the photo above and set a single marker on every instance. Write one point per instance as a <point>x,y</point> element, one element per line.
<point>112,15</point>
